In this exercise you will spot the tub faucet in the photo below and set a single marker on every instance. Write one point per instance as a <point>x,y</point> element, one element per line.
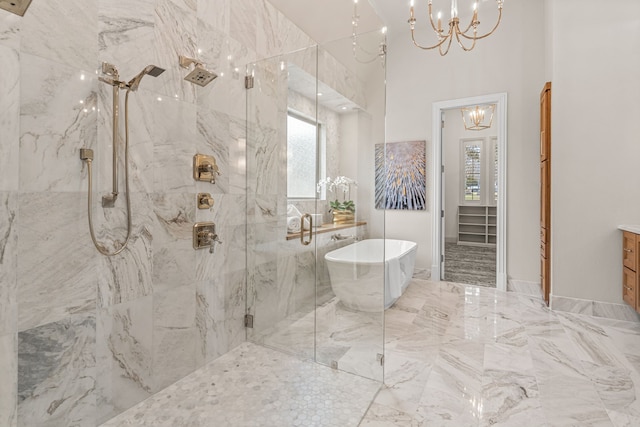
<point>337,237</point>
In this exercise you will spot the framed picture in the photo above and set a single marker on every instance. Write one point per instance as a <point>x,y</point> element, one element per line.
<point>401,175</point>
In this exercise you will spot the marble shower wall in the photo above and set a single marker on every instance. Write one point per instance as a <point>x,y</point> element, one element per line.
<point>82,336</point>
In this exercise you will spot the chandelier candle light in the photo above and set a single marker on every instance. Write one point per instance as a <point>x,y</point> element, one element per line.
<point>445,39</point>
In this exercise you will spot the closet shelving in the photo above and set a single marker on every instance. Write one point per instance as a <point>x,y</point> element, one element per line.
<point>477,225</point>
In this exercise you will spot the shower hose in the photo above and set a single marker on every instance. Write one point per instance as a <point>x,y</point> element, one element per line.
<point>98,246</point>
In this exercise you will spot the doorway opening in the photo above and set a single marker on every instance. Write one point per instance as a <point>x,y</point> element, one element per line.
<point>469,234</point>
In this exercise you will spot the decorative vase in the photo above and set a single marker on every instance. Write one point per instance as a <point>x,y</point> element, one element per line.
<point>342,217</point>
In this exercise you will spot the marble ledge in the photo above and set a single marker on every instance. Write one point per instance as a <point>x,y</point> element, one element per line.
<point>630,228</point>
<point>327,228</point>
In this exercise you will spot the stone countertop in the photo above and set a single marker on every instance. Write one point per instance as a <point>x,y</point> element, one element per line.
<point>631,228</point>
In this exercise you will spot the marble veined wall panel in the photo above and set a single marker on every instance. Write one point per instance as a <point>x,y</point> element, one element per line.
<point>276,34</point>
<point>8,262</point>
<point>57,373</point>
<point>10,25</point>
<point>9,383</point>
<point>9,118</point>
<point>220,309</point>
<point>174,334</point>
<point>57,261</point>
<point>174,259</point>
<point>126,35</point>
<point>128,275</point>
<point>57,118</point>
<point>173,132</point>
<point>214,139</point>
<point>124,354</point>
<point>64,31</point>
<point>175,34</point>
<point>243,21</point>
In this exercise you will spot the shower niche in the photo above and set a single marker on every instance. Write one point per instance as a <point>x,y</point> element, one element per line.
<point>313,114</point>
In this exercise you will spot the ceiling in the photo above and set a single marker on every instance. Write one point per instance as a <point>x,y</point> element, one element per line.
<point>326,20</point>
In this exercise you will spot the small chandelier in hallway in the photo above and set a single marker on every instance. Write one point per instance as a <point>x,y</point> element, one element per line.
<point>478,118</point>
<point>462,37</point>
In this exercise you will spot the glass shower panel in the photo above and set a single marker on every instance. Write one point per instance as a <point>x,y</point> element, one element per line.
<point>283,144</point>
<point>350,258</point>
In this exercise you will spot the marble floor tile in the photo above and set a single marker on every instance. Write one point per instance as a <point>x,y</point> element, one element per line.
<point>455,355</point>
<point>384,416</point>
<point>255,386</point>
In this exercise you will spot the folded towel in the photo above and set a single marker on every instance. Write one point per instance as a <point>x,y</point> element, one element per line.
<point>293,211</point>
<point>293,224</point>
<point>395,278</point>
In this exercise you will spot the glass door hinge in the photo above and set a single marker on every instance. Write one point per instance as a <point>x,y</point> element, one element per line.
<point>248,82</point>
<point>248,320</point>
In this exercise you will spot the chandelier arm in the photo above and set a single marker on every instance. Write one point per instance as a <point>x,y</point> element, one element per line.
<point>433,25</point>
<point>487,34</point>
<point>444,39</point>
<point>466,49</point>
<point>356,46</point>
<point>469,27</point>
<point>448,47</point>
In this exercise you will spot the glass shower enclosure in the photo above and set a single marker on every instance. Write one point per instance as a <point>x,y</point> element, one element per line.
<point>314,117</point>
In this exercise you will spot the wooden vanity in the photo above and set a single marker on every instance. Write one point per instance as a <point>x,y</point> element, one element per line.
<point>630,265</point>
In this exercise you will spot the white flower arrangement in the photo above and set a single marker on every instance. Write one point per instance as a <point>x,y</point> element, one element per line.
<point>340,183</point>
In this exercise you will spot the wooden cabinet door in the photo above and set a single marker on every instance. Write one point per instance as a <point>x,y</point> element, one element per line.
<point>545,191</point>
<point>637,282</point>
<point>629,258</point>
<point>545,211</point>
<point>629,283</point>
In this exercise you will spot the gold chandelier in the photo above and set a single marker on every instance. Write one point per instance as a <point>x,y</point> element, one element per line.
<point>475,118</point>
<point>445,39</point>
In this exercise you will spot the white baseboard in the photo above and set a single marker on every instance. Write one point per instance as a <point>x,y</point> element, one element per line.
<point>524,287</point>
<point>594,308</point>
<point>422,273</point>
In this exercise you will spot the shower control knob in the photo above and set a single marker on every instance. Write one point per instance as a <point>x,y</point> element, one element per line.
<point>205,201</point>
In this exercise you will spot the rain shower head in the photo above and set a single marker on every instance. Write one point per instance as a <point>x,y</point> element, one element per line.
<point>200,75</point>
<point>152,70</point>
<point>19,7</point>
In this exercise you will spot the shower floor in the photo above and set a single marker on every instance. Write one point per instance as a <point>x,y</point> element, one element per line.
<point>256,386</point>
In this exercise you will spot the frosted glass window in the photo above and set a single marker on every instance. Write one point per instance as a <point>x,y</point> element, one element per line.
<point>472,172</point>
<point>301,158</point>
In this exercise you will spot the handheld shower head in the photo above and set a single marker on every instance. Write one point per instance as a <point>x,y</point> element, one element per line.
<point>152,70</point>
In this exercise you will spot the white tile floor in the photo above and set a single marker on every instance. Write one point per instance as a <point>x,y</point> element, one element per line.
<point>455,356</point>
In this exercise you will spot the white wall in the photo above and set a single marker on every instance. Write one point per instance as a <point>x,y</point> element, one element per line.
<point>595,145</point>
<point>512,61</point>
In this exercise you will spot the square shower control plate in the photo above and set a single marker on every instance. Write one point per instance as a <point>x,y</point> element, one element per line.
<point>203,233</point>
<point>19,7</point>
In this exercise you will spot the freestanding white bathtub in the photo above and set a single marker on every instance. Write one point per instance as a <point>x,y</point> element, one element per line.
<point>357,271</point>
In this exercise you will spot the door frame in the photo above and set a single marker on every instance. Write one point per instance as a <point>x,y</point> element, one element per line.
<point>500,99</point>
